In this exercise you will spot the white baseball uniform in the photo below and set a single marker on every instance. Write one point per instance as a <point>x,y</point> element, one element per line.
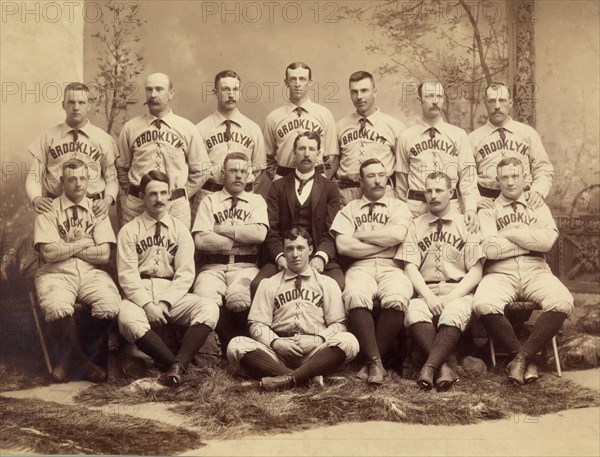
<point>283,125</point>
<point>374,137</point>
<point>444,252</point>
<point>281,309</point>
<point>53,147</point>
<point>378,276</point>
<point>519,270</point>
<point>520,141</point>
<point>157,264</point>
<point>227,273</point>
<point>449,151</point>
<point>172,145</point>
<point>60,284</point>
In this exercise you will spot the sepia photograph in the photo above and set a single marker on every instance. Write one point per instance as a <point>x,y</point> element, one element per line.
<point>300,228</point>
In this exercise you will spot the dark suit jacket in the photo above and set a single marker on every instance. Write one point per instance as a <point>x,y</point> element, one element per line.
<point>280,203</point>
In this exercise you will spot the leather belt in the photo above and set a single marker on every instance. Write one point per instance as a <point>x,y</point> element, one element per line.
<point>226,259</point>
<point>487,192</point>
<point>216,187</point>
<point>291,334</point>
<point>447,281</point>
<point>420,195</point>
<point>134,191</point>
<point>94,197</point>
<point>348,184</point>
<point>284,171</point>
<point>147,276</point>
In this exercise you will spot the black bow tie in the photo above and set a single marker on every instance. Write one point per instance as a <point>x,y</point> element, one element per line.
<point>75,135</point>
<point>363,122</point>
<point>234,201</point>
<point>227,130</point>
<point>157,123</point>
<point>440,225</point>
<point>432,131</point>
<point>157,228</point>
<point>298,283</point>
<point>515,206</point>
<point>372,206</point>
<point>501,130</point>
<point>298,111</point>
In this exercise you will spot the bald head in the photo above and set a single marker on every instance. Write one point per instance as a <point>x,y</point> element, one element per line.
<point>159,92</point>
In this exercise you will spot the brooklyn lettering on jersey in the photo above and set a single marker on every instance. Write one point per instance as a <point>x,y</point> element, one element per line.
<point>71,222</point>
<point>237,213</point>
<point>299,124</point>
<point>294,294</point>
<point>504,221</point>
<point>441,237</point>
<point>236,137</point>
<point>506,145</point>
<point>363,134</point>
<point>159,135</point>
<point>435,144</point>
<point>366,219</point>
<point>156,240</point>
<point>73,146</point>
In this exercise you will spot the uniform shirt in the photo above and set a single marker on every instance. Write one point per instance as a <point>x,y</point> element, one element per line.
<point>246,137</point>
<point>522,217</point>
<point>377,140</point>
<point>69,222</point>
<point>175,149</point>
<point>94,146</point>
<point>444,255</point>
<point>449,152</point>
<point>216,209</point>
<point>167,255</point>
<point>315,309</point>
<point>355,217</point>
<point>522,142</point>
<point>283,125</point>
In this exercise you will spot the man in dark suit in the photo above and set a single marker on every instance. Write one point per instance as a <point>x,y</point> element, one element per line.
<point>303,199</point>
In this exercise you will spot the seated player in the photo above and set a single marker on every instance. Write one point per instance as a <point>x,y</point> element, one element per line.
<point>369,230</point>
<point>72,242</point>
<point>230,226</point>
<point>515,237</point>
<point>442,259</point>
<point>156,271</point>
<point>297,323</point>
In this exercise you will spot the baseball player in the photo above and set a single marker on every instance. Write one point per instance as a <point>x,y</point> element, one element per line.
<point>502,137</point>
<point>369,230</point>
<point>364,134</point>
<point>300,114</point>
<point>160,140</point>
<point>434,145</point>
<point>72,242</point>
<point>156,270</point>
<point>297,323</point>
<point>307,200</point>
<point>443,261</point>
<point>229,227</point>
<point>74,138</point>
<point>515,237</point>
<point>227,130</point>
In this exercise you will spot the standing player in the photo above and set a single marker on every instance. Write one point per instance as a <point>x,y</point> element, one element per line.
<point>297,323</point>
<point>74,138</point>
<point>434,145</point>
<point>365,134</point>
<point>503,137</point>
<point>229,228</point>
<point>156,270</point>
<point>442,259</point>
<point>515,237</point>
<point>300,114</point>
<point>307,200</point>
<point>160,140</point>
<point>227,130</point>
<point>72,242</point>
<point>369,230</point>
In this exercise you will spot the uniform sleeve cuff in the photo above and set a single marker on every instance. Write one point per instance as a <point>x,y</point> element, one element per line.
<point>323,256</point>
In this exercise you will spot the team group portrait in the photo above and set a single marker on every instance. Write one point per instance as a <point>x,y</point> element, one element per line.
<point>239,265</point>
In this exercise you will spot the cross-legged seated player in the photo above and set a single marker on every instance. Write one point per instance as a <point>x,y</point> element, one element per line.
<point>515,236</point>
<point>442,259</point>
<point>297,322</point>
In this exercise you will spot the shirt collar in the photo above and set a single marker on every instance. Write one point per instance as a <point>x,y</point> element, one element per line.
<point>507,201</point>
<point>66,203</point>
<point>508,125</point>
<point>306,273</point>
<point>364,201</point>
<point>149,221</point>
<point>308,175</point>
<point>306,106</point>
<point>235,118</point>
<point>372,118</point>
<point>66,128</point>
<point>430,218</point>
<point>425,126</point>
<point>224,195</point>
<point>167,119</point>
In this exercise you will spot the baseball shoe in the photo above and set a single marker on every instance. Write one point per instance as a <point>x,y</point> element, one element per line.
<point>275,383</point>
<point>376,372</point>
<point>531,372</point>
<point>447,376</point>
<point>425,379</point>
<point>516,369</point>
<point>317,381</point>
<point>93,373</point>
<point>363,373</point>
<point>172,378</point>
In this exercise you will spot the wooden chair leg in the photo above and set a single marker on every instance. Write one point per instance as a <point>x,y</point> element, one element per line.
<point>556,357</point>
<point>38,326</point>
